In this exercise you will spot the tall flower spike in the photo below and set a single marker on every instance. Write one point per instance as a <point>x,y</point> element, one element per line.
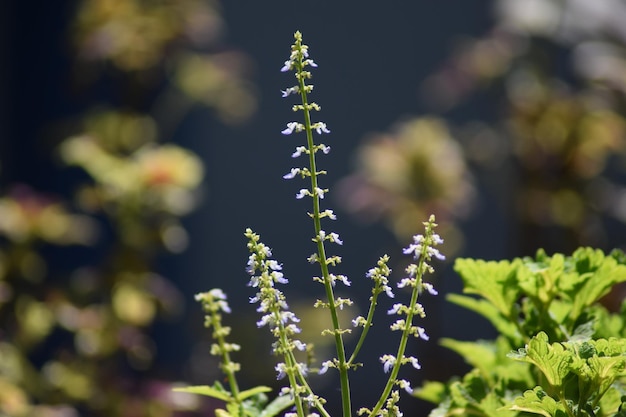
<point>299,62</point>
<point>423,250</point>
<point>214,303</point>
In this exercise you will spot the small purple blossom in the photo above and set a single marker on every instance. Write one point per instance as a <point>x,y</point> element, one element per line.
<point>334,237</point>
<point>290,90</point>
<point>299,151</point>
<point>287,66</point>
<point>281,368</point>
<point>292,174</point>
<point>413,361</point>
<point>422,334</point>
<point>325,366</point>
<point>302,193</point>
<point>429,287</point>
<point>388,362</point>
<point>395,309</point>
<point>405,385</point>
<point>299,345</point>
<point>320,127</point>
<point>291,127</point>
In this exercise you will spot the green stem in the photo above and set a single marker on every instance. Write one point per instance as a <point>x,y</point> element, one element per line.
<point>405,336</point>
<point>226,361</point>
<point>341,355</point>
<point>366,327</point>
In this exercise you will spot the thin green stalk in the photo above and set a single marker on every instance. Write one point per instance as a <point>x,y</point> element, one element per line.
<point>226,361</point>
<point>366,327</point>
<point>341,355</point>
<point>401,349</point>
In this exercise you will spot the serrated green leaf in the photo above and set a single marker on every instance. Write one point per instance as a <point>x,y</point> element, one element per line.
<point>553,360</point>
<point>494,281</point>
<point>277,405</point>
<point>538,402</point>
<point>601,274</point>
<point>208,391</point>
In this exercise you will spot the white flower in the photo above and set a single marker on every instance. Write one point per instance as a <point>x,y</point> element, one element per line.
<point>291,127</point>
<point>404,282</point>
<point>437,240</point>
<point>279,277</point>
<point>287,66</point>
<point>435,252</point>
<point>414,362</point>
<point>302,193</point>
<point>281,368</point>
<point>388,362</point>
<point>274,265</point>
<point>299,345</point>
<point>325,149</point>
<point>344,279</point>
<point>320,127</point>
<point>292,173</point>
<point>291,90</point>
<point>330,214</point>
<point>388,291</point>
<point>325,366</point>
<point>395,309</point>
<point>264,320</point>
<point>429,287</point>
<point>334,237</point>
<point>405,385</point>
<point>320,192</point>
<point>359,321</point>
<point>422,333</point>
<point>299,151</point>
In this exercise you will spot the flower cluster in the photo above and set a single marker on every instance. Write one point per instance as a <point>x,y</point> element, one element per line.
<point>298,62</point>
<point>423,250</point>
<point>266,274</point>
<point>214,303</point>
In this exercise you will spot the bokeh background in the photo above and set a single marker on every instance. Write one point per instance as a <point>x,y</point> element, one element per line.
<point>140,139</point>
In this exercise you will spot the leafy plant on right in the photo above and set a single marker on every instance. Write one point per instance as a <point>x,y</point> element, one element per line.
<point>559,351</point>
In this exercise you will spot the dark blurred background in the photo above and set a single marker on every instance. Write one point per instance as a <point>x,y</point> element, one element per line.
<point>506,121</point>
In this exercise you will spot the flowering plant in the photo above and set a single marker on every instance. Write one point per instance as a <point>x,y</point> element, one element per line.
<point>266,276</point>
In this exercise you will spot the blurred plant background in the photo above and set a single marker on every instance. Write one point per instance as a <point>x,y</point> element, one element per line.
<point>141,137</point>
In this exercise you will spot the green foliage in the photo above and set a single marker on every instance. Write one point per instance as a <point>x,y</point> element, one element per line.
<point>559,351</point>
<point>249,403</point>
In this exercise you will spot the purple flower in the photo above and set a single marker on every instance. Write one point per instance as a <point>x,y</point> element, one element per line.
<point>291,127</point>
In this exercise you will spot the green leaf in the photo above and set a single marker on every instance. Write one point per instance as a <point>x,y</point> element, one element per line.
<point>253,391</point>
<point>222,413</point>
<point>208,391</point>
<point>432,391</point>
<point>277,405</point>
<point>538,402</point>
<point>494,281</point>
<point>502,324</point>
<point>600,274</point>
<point>553,360</point>
<point>480,354</point>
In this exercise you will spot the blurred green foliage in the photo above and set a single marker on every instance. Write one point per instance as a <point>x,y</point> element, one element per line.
<point>551,150</point>
<point>76,340</point>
